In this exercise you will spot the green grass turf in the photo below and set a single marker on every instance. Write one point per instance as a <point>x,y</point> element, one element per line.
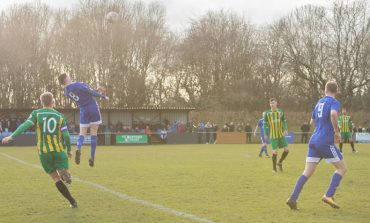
<point>222,183</point>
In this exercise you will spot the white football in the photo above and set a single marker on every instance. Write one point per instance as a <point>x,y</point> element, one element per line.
<point>112,16</point>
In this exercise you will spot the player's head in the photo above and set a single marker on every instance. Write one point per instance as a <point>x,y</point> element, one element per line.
<point>47,99</point>
<point>64,79</point>
<point>273,103</point>
<point>344,111</point>
<point>331,87</point>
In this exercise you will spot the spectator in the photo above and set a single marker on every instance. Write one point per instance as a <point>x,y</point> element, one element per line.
<point>359,129</point>
<point>174,126</point>
<point>239,127</point>
<point>305,128</point>
<point>5,125</point>
<point>214,130</point>
<point>12,125</point>
<point>208,130</point>
<point>181,127</point>
<point>248,130</point>
<point>226,128</point>
<point>1,126</point>
<point>148,132</point>
<point>231,127</point>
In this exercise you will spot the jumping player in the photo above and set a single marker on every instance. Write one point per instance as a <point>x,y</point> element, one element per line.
<point>83,96</point>
<point>52,140</point>
<point>321,146</point>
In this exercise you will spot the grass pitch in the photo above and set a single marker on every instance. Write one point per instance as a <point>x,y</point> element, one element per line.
<point>221,183</point>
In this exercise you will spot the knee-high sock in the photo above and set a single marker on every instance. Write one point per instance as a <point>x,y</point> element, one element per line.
<point>335,180</point>
<point>274,158</point>
<point>340,146</point>
<point>64,191</point>
<point>353,146</point>
<point>283,156</point>
<point>80,141</point>
<point>298,187</point>
<point>261,150</point>
<point>94,140</point>
<point>266,152</point>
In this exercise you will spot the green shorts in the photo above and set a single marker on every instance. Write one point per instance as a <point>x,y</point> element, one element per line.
<point>53,161</point>
<point>279,143</point>
<point>346,135</point>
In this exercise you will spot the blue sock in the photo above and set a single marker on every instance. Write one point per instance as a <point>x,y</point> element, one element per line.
<point>93,146</point>
<point>298,187</point>
<point>335,180</point>
<point>261,151</point>
<point>265,149</point>
<point>80,141</point>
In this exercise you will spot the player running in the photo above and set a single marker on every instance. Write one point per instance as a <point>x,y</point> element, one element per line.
<point>275,119</point>
<point>345,128</point>
<point>262,135</point>
<point>52,140</point>
<point>321,146</point>
<point>83,96</point>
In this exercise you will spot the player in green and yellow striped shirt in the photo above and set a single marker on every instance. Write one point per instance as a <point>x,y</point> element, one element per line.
<point>52,142</point>
<point>345,128</point>
<point>275,119</point>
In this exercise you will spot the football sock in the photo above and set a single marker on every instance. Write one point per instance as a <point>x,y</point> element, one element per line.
<point>261,150</point>
<point>298,187</point>
<point>340,146</point>
<point>283,156</point>
<point>80,141</point>
<point>266,152</point>
<point>93,146</point>
<point>353,146</point>
<point>335,180</point>
<point>64,191</point>
<point>274,158</point>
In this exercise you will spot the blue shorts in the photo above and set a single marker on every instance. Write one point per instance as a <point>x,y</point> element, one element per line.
<point>329,152</point>
<point>90,114</point>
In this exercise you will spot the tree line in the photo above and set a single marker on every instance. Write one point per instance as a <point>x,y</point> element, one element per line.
<point>221,62</point>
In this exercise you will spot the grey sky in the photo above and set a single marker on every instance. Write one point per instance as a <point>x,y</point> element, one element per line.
<point>179,12</point>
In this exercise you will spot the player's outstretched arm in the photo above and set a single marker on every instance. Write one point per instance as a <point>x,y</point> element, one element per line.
<point>67,142</point>
<point>22,128</point>
<point>93,92</point>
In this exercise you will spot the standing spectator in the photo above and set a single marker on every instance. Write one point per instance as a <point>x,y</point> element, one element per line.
<point>148,132</point>
<point>181,128</point>
<point>231,127</point>
<point>239,127</point>
<point>6,124</point>
<point>214,130</point>
<point>226,128</point>
<point>208,130</point>
<point>305,128</point>
<point>248,130</point>
<point>359,129</point>
<point>174,126</point>
<point>201,132</point>
<point>12,125</point>
<point>1,126</point>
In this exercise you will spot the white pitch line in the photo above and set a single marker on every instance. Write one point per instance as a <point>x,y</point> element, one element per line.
<point>123,196</point>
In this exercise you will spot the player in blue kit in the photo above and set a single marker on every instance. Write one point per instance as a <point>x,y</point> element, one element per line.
<point>84,96</point>
<point>321,146</point>
<point>262,135</point>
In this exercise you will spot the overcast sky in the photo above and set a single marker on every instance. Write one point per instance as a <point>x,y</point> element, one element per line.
<point>179,12</point>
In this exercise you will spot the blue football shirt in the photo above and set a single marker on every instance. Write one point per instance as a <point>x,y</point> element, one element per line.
<point>81,93</point>
<point>324,131</point>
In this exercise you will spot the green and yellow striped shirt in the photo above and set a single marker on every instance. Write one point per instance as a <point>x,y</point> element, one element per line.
<point>49,125</point>
<point>345,123</point>
<point>277,122</point>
